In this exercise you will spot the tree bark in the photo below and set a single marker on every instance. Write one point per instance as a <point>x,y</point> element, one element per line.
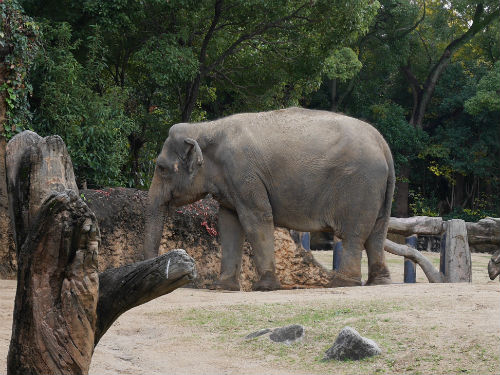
<point>56,298</point>
<point>333,94</point>
<point>7,248</point>
<point>61,310</point>
<point>123,288</point>
<point>457,262</point>
<point>416,225</point>
<point>485,231</point>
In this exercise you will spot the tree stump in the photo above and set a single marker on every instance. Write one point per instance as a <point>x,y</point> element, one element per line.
<point>63,306</point>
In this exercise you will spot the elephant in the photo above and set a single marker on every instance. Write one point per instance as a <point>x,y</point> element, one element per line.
<point>307,170</point>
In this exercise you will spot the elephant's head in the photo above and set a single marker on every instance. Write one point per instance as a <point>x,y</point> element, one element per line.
<point>494,265</point>
<point>178,180</point>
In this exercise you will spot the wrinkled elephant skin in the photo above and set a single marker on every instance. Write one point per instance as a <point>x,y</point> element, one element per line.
<point>296,168</point>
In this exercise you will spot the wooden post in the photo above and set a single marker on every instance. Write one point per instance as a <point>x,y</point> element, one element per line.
<point>337,255</point>
<point>442,256</point>
<point>63,306</point>
<point>410,270</point>
<point>305,240</point>
<point>457,262</point>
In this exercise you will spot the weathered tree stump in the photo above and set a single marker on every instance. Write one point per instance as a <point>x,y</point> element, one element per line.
<point>63,306</point>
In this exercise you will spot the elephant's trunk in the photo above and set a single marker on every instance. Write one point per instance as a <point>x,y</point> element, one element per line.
<point>154,218</point>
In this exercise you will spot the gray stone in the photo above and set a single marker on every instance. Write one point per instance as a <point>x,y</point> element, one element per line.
<point>287,334</point>
<point>258,333</point>
<point>351,345</point>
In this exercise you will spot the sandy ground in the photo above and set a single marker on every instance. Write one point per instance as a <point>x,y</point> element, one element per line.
<point>156,339</point>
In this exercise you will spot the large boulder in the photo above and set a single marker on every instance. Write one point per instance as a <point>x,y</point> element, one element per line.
<point>120,213</point>
<point>349,344</point>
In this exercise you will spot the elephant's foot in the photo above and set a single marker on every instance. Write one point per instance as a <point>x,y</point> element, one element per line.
<point>341,280</point>
<point>379,275</point>
<point>227,284</point>
<point>267,282</point>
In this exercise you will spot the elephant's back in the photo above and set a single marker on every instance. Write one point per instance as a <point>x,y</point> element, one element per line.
<point>300,134</point>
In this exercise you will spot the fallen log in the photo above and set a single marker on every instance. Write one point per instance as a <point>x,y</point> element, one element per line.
<point>484,235</point>
<point>63,306</point>
<point>416,225</point>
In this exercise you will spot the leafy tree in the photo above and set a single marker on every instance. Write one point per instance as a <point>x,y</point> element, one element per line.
<point>93,126</point>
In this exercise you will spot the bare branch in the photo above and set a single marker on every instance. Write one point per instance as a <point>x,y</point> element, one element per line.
<point>433,275</point>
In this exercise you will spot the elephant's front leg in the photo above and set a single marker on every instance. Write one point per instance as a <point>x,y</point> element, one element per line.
<point>259,230</point>
<point>231,237</point>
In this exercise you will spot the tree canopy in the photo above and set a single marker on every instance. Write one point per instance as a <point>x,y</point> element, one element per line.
<point>111,77</point>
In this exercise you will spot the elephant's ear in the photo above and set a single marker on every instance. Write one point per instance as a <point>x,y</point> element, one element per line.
<point>194,156</point>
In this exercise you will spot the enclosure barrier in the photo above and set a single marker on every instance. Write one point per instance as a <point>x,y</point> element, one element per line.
<point>457,237</point>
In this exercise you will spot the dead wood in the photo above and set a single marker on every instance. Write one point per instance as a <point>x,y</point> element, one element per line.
<point>63,306</point>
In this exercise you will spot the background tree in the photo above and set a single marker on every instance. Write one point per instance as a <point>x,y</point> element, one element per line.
<point>114,76</point>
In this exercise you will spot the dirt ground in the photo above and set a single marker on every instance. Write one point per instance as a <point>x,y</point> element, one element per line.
<point>421,328</point>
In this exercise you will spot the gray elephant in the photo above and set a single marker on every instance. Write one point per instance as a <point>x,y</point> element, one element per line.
<point>301,169</point>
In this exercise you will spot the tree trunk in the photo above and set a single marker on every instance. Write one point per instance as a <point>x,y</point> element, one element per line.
<point>191,98</point>
<point>61,310</point>
<point>7,248</point>
<point>401,193</point>
<point>333,95</point>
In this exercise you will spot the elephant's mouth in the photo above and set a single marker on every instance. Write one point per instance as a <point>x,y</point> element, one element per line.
<point>494,266</point>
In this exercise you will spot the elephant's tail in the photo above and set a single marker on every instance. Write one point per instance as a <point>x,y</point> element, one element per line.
<point>389,191</point>
<point>378,273</point>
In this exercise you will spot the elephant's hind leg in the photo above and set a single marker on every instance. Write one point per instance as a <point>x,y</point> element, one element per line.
<point>378,273</point>
<point>349,272</point>
<point>231,237</point>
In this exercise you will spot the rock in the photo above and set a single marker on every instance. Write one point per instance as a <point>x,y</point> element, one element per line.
<point>351,345</point>
<point>288,334</point>
<point>258,333</point>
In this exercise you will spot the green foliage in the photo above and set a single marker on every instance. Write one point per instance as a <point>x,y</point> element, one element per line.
<point>405,141</point>
<point>480,209</point>
<point>423,206</point>
<point>94,127</point>
<point>18,39</point>
<point>487,98</point>
<point>115,75</point>
<point>343,64</point>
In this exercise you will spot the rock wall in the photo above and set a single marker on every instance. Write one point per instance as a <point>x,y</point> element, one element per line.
<point>120,213</point>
